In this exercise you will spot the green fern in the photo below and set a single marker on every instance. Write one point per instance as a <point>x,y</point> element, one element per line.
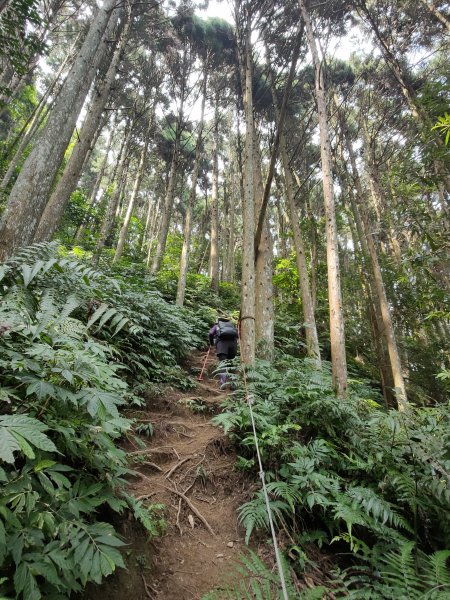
<point>252,580</point>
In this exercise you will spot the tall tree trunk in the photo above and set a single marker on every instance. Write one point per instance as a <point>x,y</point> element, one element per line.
<point>378,195</point>
<point>337,336</point>
<point>35,120</point>
<point>373,304</point>
<point>312,339</point>
<point>417,110</point>
<point>248,214</point>
<point>67,183</point>
<point>93,197</point>
<point>231,236</point>
<point>31,189</point>
<point>264,317</point>
<point>118,177</point>
<point>166,211</point>
<point>154,230</point>
<point>136,187</point>
<point>169,197</point>
<point>379,291</point>
<point>214,247</point>
<point>184,260</point>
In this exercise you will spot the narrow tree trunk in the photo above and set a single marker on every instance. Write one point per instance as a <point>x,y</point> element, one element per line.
<point>379,289</point>
<point>231,237</point>
<point>214,247</point>
<point>67,183</point>
<point>312,340</point>
<point>378,196</point>
<point>30,192</point>
<point>417,110</point>
<point>108,221</point>
<point>167,211</point>
<point>184,260</point>
<point>248,216</point>
<point>337,337</point>
<point>264,316</point>
<point>34,122</point>
<point>98,181</point>
<point>136,187</point>
<point>153,231</point>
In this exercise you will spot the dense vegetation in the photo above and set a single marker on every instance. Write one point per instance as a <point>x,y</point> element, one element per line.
<point>76,347</point>
<point>288,165</point>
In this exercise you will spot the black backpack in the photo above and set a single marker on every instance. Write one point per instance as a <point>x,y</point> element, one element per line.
<point>226,331</point>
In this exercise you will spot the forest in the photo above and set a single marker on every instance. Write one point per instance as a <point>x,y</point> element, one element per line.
<point>284,165</point>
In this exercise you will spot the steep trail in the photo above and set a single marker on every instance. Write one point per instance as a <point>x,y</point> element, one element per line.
<point>188,455</point>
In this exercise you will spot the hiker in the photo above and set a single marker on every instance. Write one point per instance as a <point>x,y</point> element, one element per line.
<point>224,336</point>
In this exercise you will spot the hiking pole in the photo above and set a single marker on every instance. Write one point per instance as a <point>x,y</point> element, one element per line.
<point>200,377</point>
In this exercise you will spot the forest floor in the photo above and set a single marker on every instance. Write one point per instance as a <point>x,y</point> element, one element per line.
<point>188,465</point>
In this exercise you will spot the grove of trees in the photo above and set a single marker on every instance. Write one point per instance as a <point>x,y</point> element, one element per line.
<point>242,158</point>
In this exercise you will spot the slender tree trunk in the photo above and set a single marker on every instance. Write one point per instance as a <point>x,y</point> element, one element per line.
<point>248,216</point>
<point>35,121</point>
<point>337,336</point>
<point>378,196</point>
<point>417,110</point>
<point>151,206</point>
<point>98,181</point>
<point>108,221</point>
<point>136,187</point>
<point>373,304</point>
<point>67,183</point>
<point>167,211</point>
<point>380,298</point>
<point>153,231</point>
<point>312,340</point>
<point>184,260</point>
<point>214,247</point>
<point>31,189</point>
<point>169,197</point>
<point>264,317</point>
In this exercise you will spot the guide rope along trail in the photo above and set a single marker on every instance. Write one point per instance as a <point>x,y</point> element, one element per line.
<point>249,400</point>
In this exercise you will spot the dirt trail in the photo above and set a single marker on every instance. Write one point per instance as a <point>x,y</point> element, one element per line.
<point>188,455</point>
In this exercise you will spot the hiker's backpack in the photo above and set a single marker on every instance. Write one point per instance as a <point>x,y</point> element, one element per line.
<point>226,331</point>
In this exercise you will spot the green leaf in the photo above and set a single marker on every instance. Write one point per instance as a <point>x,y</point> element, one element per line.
<point>97,314</point>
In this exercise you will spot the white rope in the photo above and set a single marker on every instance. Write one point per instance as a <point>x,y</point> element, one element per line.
<point>249,399</point>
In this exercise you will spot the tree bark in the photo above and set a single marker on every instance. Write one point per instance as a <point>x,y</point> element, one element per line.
<point>214,247</point>
<point>247,323</point>
<point>309,320</point>
<point>337,336</point>
<point>31,189</point>
<point>67,183</point>
<point>34,121</point>
<point>379,292</point>
<point>108,221</point>
<point>417,110</point>
<point>264,315</point>
<point>136,187</point>
<point>98,181</point>
<point>184,260</point>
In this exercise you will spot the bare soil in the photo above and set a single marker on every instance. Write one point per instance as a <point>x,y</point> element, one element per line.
<point>188,465</point>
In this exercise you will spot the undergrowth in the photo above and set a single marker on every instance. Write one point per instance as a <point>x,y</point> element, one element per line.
<point>73,343</point>
<point>370,486</point>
